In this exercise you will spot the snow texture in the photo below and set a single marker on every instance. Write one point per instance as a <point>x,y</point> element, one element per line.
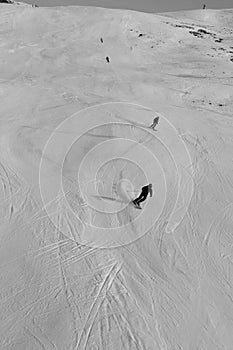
<point>81,268</point>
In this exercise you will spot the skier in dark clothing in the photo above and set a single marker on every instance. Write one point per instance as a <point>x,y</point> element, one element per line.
<point>155,122</point>
<point>143,195</point>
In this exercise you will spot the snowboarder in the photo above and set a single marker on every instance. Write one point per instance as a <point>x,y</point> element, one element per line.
<point>155,122</point>
<point>143,195</point>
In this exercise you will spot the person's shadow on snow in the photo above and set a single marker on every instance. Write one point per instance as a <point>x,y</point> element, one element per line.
<point>111,199</point>
<point>134,123</point>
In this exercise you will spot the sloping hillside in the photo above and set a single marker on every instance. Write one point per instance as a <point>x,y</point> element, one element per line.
<point>81,267</point>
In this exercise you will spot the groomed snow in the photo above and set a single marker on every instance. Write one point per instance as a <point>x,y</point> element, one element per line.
<point>80,267</point>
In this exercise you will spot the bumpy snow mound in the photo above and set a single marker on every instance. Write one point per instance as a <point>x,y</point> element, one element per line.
<point>217,18</point>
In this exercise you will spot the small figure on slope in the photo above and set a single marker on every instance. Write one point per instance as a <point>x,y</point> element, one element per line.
<point>143,195</point>
<point>155,122</point>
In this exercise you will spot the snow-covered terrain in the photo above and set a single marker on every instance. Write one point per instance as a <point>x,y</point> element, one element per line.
<point>80,266</point>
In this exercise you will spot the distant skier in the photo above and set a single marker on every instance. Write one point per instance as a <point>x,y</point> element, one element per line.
<point>155,122</point>
<point>107,59</point>
<point>143,195</point>
<point>204,7</point>
<point>101,39</point>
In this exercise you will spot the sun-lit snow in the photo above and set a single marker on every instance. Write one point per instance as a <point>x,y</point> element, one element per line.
<point>81,267</point>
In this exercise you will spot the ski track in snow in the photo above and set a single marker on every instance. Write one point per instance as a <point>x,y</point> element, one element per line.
<point>164,290</point>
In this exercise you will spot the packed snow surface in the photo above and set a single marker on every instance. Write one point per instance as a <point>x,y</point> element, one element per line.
<point>80,266</point>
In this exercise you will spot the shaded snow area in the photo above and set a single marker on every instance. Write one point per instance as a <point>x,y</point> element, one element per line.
<point>80,266</point>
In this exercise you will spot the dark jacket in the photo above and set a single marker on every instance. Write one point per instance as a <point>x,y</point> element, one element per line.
<point>146,190</point>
